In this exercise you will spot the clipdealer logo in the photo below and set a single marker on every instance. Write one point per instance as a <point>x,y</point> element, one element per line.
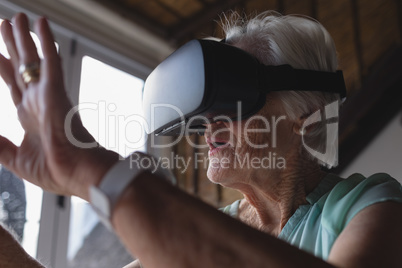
<point>331,113</point>
<point>330,156</point>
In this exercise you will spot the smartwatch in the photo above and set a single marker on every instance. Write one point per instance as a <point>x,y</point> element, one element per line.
<point>107,194</point>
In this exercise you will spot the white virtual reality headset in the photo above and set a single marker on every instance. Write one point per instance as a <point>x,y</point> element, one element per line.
<point>205,81</point>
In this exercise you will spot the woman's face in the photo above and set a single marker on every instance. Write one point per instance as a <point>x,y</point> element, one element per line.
<point>241,151</point>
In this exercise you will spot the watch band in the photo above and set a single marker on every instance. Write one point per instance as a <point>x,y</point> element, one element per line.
<point>107,194</point>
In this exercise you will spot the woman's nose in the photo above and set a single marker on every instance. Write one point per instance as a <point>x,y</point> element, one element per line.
<point>213,126</point>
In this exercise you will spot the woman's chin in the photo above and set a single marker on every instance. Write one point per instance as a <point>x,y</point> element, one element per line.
<point>214,174</point>
<point>221,169</point>
<point>219,175</point>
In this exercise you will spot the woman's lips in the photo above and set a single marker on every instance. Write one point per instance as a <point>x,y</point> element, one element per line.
<point>216,146</point>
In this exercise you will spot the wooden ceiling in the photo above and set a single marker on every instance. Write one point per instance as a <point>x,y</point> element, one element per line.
<point>367,34</point>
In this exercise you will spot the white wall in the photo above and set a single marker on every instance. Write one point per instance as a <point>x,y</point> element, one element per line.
<point>383,154</point>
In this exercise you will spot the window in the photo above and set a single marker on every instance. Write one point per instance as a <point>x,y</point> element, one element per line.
<point>110,108</point>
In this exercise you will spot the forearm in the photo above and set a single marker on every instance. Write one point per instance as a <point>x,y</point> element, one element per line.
<point>166,227</point>
<point>12,254</point>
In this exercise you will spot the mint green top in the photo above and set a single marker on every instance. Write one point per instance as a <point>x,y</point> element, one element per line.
<point>315,226</point>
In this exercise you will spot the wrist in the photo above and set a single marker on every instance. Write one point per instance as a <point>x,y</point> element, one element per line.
<point>105,195</point>
<point>94,164</point>
<point>101,163</point>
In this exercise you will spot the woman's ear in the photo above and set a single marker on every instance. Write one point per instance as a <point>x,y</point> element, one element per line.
<point>298,126</point>
<point>306,123</point>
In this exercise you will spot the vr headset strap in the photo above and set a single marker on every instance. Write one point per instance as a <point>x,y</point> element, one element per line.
<point>285,77</point>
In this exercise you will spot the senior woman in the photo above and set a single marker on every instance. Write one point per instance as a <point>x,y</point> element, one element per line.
<point>294,215</point>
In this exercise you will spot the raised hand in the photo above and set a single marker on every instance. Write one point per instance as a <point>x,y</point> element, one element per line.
<point>45,157</point>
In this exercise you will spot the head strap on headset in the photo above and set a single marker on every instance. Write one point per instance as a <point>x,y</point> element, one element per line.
<point>285,77</point>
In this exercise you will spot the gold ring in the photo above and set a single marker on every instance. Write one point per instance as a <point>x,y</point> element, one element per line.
<point>30,72</point>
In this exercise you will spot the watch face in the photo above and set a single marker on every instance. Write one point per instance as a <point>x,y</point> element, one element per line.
<point>102,205</point>
<point>106,196</point>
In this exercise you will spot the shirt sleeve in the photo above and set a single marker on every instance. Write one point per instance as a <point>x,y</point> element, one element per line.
<point>354,194</point>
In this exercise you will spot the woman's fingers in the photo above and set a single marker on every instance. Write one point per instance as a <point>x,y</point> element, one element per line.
<point>8,37</point>
<point>51,60</point>
<point>46,39</point>
<point>26,47</point>
<point>8,67</point>
<point>8,75</point>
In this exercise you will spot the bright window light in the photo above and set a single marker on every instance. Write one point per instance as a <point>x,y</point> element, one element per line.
<point>110,106</point>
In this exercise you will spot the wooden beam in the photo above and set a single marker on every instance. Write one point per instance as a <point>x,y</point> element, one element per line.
<point>196,176</point>
<point>169,9</point>
<point>133,15</point>
<point>399,12</point>
<point>280,6</point>
<point>314,9</point>
<point>203,2</point>
<point>368,111</point>
<point>357,37</point>
<point>190,25</point>
<point>219,194</point>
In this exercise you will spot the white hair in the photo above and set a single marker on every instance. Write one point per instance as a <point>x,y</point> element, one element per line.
<point>297,40</point>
